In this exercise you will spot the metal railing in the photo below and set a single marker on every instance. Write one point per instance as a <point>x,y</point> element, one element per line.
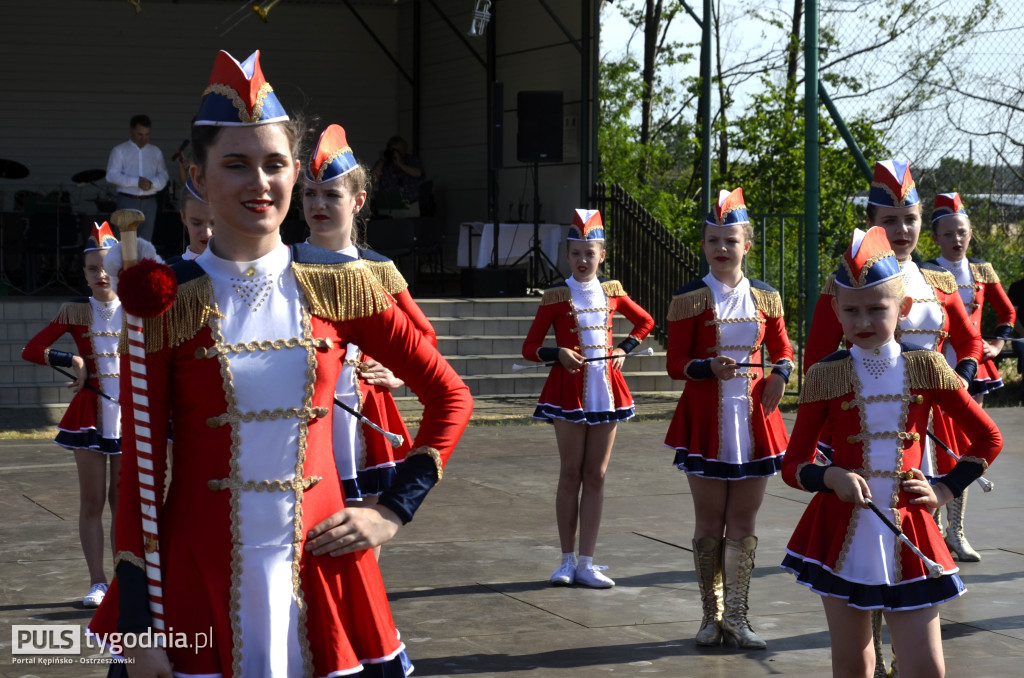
<point>643,254</point>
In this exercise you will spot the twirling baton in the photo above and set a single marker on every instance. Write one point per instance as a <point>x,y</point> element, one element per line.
<point>85,385</point>
<point>991,338</point>
<point>934,569</point>
<point>395,439</point>
<point>986,484</point>
<point>128,221</point>
<point>639,354</point>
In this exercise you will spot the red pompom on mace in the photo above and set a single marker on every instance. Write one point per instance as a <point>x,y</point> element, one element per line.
<point>146,289</point>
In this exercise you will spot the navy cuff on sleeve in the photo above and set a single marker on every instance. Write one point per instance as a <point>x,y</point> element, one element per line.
<point>133,600</point>
<point>1004,332</point>
<point>700,369</point>
<point>812,477</point>
<point>416,476</point>
<point>548,353</point>
<point>628,344</point>
<point>60,358</point>
<point>961,477</point>
<point>784,373</point>
<point>967,369</point>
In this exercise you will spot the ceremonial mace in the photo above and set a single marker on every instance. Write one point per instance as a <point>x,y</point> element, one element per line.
<point>128,222</point>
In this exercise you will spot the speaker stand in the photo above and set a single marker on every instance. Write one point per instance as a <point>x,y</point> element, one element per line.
<point>536,253</point>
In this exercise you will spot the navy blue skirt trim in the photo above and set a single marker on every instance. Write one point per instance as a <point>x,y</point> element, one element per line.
<point>912,595</point>
<point>694,464</point>
<point>399,667</point>
<point>983,386</point>
<point>550,412</point>
<point>87,439</point>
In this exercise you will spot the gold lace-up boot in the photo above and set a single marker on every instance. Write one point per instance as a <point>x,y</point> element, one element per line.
<point>707,561</point>
<point>737,568</point>
<point>956,540</point>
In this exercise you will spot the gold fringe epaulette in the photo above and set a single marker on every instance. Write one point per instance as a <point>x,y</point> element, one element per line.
<point>74,313</point>
<point>387,273</point>
<point>556,295</point>
<point>189,313</point>
<point>830,286</point>
<point>768,302</point>
<point>929,370</point>
<point>828,380</point>
<point>340,292</point>
<point>984,273</point>
<point>613,288</point>
<point>690,304</point>
<point>941,280</point>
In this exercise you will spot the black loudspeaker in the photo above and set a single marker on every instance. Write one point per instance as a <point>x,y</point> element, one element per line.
<point>539,138</point>
<point>497,125</point>
<point>493,282</point>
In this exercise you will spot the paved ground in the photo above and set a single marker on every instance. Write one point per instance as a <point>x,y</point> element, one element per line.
<point>468,578</point>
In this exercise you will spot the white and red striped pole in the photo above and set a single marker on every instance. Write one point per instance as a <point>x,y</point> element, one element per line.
<point>128,221</point>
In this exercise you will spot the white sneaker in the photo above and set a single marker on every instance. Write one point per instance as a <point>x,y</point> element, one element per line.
<point>95,595</point>
<point>565,575</point>
<point>591,576</point>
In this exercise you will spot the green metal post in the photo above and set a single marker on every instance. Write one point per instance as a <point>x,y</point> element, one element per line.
<point>811,155</point>
<point>705,110</point>
<point>851,143</point>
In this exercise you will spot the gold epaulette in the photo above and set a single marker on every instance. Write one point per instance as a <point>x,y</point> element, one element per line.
<point>387,273</point>
<point>340,292</point>
<point>940,280</point>
<point>768,302</point>
<point>984,273</point>
<point>613,288</point>
<point>191,310</point>
<point>74,313</point>
<point>690,304</point>
<point>830,286</point>
<point>556,295</point>
<point>828,380</point>
<point>929,370</point>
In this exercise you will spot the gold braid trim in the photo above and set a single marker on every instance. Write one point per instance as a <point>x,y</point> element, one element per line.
<point>388,275</point>
<point>768,302</point>
<point>690,304</point>
<point>928,370</point>
<point>289,485</point>
<point>829,380</point>
<point>613,288</point>
<point>129,557</point>
<point>829,288</point>
<point>556,295</point>
<point>340,292</point>
<point>942,280</point>
<point>236,100</point>
<point>984,273</point>
<point>434,454</point>
<point>74,313</point>
<point>302,413</point>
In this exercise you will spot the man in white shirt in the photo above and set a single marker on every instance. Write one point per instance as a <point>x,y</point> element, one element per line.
<point>138,171</point>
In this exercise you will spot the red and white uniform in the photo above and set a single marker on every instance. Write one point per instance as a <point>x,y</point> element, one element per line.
<point>978,283</point>
<point>246,365</point>
<point>937,315</point>
<point>90,422</point>
<point>876,404</point>
<point>366,460</point>
<point>719,429</point>
<point>582,313</point>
